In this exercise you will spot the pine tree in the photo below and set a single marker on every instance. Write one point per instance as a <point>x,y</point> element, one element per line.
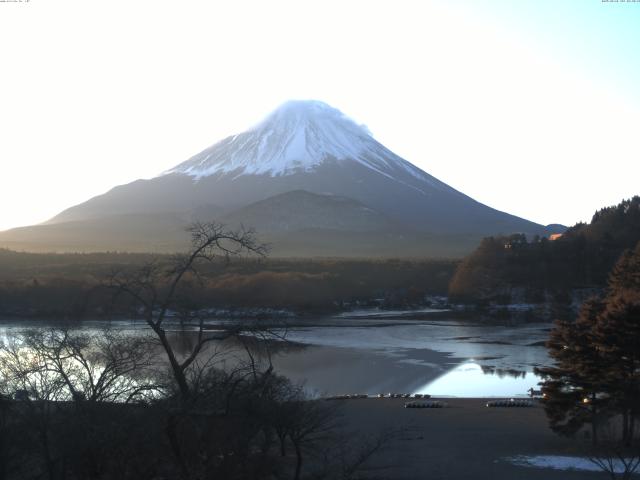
<point>617,337</point>
<point>597,358</point>
<point>625,275</point>
<point>573,389</point>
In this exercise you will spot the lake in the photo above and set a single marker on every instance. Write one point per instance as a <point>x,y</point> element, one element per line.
<point>390,352</point>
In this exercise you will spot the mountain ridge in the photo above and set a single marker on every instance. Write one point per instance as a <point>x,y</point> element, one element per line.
<point>303,146</point>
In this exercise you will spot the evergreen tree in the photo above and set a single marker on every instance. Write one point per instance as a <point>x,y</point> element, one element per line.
<point>597,358</point>
<point>573,389</point>
<point>582,257</point>
<point>617,335</point>
<point>625,275</point>
<point>617,338</point>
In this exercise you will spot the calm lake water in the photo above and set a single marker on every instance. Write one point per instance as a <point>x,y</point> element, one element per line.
<point>403,352</point>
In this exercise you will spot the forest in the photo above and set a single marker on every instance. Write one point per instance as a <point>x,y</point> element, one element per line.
<point>68,285</point>
<point>580,259</point>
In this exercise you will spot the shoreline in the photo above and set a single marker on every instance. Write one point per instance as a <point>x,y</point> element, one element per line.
<point>398,315</point>
<point>316,321</point>
<point>441,358</point>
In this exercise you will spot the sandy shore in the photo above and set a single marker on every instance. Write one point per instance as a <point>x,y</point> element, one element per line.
<point>466,440</point>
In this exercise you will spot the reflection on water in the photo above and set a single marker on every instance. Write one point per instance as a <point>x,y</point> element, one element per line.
<point>502,373</point>
<point>419,355</point>
<point>472,380</point>
<point>502,347</point>
<point>446,358</point>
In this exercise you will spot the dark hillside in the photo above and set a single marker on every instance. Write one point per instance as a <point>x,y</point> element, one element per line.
<point>581,258</point>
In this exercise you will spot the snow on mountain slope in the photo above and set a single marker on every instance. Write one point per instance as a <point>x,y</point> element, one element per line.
<point>298,137</point>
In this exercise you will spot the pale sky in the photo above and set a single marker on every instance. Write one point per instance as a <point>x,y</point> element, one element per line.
<point>531,107</point>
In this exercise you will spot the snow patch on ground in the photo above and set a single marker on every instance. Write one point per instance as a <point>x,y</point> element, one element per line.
<point>377,313</point>
<point>559,462</point>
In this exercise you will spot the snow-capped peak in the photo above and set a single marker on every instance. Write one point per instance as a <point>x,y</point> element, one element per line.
<point>298,136</point>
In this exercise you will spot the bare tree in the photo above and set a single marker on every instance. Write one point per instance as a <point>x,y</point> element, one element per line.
<point>154,287</point>
<point>63,383</point>
<point>311,425</point>
<point>614,456</point>
<point>353,462</point>
<point>617,463</point>
<point>105,367</point>
<point>154,291</point>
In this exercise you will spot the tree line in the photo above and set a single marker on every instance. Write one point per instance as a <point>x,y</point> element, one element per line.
<point>581,258</point>
<point>64,285</point>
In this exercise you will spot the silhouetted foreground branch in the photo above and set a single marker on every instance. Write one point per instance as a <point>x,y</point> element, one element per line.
<point>153,288</point>
<point>98,406</point>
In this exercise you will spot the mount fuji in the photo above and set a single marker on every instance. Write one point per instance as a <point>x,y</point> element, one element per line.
<point>308,178</point>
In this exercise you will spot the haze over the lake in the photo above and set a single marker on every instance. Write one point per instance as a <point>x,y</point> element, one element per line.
<point>530,107</point>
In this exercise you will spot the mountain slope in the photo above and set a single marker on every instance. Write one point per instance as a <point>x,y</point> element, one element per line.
<point>299,137</point>
<point>303,146</point>
<point>301,210</point>
<point>156,232</point>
